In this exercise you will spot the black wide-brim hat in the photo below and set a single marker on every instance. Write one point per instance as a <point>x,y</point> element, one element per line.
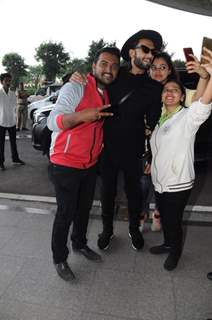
<point>152,35</point>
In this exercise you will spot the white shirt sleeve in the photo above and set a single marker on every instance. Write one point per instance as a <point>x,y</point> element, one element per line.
<point>198,113</point>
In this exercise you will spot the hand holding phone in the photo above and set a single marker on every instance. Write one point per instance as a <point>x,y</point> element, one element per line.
<point>206,43</point>
<point>187,52</point>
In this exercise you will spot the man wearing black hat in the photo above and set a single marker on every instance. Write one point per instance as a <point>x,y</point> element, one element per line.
<point>134,97</point>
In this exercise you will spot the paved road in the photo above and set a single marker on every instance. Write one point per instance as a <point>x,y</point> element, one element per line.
<point>32,179</point>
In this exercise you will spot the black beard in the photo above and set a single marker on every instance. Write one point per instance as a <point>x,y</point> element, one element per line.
<point>101,84</point>
<point>138,62</point>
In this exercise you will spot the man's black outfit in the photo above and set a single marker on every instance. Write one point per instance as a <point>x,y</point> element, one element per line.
<point>124,136</point>
<point>80,186</point>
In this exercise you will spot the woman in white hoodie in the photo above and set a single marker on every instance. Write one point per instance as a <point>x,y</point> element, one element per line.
<point>172,169</point>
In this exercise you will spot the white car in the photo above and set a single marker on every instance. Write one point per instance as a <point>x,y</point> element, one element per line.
<point>44,91</point>
<point>32,107</point>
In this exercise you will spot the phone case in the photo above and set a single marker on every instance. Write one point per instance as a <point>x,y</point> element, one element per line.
<point>187,52</point>
<point>206,42</point>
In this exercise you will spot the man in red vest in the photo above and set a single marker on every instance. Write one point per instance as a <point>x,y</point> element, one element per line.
<point>76,122</point>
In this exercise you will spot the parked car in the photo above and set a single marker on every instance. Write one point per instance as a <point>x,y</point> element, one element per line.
<point>32,107</point>
<point>41,135</point>
<point>44,91</point>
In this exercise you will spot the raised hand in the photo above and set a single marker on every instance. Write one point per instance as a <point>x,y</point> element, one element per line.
<point>79,78</point>
<point>94,114</point>
<point>196,67</point>
<point>207,56</point>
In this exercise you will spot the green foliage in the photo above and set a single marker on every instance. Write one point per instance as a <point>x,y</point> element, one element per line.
<point>30,89</point>
<point>33,76</point>
<point>79,65</point>
<point>14,64</point>
<point>54,59</point>
<point>179,64</point>
<point>93,48</point>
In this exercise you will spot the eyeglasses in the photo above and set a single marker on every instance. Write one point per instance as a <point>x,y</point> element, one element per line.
<point>146,49</point>
<point>174,91</point>
<point>162,67</point>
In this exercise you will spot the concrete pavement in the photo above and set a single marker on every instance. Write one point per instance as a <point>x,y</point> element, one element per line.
<point>126,285</point>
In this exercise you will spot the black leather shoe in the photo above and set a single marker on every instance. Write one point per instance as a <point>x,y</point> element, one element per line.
<point>64,271</point>
<point>171,262</point>
<point>88,253</point>
<point>160,249</point>
<point>209,276</point>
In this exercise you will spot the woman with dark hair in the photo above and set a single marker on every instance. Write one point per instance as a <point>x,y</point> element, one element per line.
<point>161,70</point>
<point>172,169</point>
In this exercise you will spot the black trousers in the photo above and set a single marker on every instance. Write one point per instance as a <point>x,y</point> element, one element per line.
<point>74,194</point>
<point>171,206</point>
<point>109,174</point>
<point>13,146</point>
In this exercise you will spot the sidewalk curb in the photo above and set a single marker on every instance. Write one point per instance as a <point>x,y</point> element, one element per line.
<point>96,203</point>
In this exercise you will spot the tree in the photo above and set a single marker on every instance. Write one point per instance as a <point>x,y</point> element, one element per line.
<point>53,58</point>
<point>179,64</point>
<point>77,65</point>
<point>33,77</point>
<point>93,48</point>
<point>15,65</point>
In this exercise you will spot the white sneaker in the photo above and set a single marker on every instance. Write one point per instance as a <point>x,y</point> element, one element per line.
<point>156,225</point>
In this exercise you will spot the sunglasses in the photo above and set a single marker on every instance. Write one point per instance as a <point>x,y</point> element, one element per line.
<point>146,49</point>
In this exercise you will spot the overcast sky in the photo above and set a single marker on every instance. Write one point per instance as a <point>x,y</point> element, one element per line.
<point>25,24</point>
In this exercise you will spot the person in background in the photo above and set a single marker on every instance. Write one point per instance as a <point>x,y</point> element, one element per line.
<point>162,68</point>
<point>8,120</point>
<point>22,111</point>
<point>77,140</point>
<point>172,169</point>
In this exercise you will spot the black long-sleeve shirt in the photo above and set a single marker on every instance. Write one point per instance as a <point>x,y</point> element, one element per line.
<point>124,133</point>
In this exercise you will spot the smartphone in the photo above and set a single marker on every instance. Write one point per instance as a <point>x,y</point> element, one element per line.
<point>207,43</point>
<point>187,52</point>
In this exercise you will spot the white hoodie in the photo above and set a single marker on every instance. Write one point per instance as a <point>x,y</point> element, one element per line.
<point>172,146</point>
